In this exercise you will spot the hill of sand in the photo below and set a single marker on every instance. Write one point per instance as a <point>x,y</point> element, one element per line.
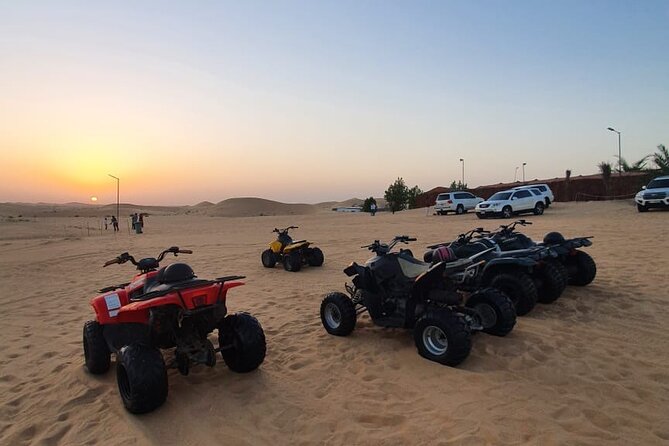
<point>591,369</point>
<point>253,207</point>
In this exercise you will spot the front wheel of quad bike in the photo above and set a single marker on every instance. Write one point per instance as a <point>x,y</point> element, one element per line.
<point>507,212</point>
<point>242,342</point>
<point>552,282</point>
<point>338,314</point>
<point>641,208</point>
<point>292,261</point>
<point>142,378</point>
<point>538,208</point>
<point>495,310</point>
<point>443,336</point>
<point>519,287</point>
<point>316,257</point>
<point>582,268</point>
<point>97,356</point>
<point>268,258</point>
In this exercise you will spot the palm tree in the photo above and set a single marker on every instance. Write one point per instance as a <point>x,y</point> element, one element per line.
<point>605,169</point>
<point>661,159</point>
<point>639,166</point>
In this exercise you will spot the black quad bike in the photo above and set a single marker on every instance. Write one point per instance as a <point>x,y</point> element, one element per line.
<point>166,308</point>
<point>578,267</point>
<point>402,292</point>
<point>293,254</point>
<point>527,276</point>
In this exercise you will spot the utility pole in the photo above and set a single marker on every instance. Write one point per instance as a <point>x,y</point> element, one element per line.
<point>118,184</point>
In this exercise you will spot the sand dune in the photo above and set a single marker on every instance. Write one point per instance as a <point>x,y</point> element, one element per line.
<point>253,207</point>
<point>591,368</point>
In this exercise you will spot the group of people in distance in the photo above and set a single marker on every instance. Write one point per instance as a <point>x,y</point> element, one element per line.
<point>137,222</point>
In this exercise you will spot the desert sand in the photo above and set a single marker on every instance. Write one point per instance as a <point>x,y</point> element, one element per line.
<point>591,368</point>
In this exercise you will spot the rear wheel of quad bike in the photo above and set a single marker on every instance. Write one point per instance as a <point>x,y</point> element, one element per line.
<point>242,342</point>
<point>495,309</point>
<point>552,282</point>
<point>316,257</point>
<point>641,208</point>
<point>141,378</point>
<point>338,314</point>
<point>292,261</point>
<point>582,268</point>
<point>97,356</point>
<point>520,289</point>
<point>443,336</point>
<point>538,208</point>
<point>507,212</point>
<point>460,209</point>
<point>268,258</point>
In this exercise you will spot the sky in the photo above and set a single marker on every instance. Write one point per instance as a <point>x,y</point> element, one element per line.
<point>311,101</point>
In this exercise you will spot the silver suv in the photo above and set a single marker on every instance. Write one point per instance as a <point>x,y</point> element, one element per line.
<point>655,195</point>
<point>456,202</point>
<point>543,188</point>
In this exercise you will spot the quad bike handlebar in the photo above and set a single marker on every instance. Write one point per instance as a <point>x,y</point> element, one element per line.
<point>383,248</point>
<point>125,257</point>
<point>284,230</point>
<point>508,229</point>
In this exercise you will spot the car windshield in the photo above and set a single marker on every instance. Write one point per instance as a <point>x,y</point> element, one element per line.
<point>500,196</point>
<point>658,184</point>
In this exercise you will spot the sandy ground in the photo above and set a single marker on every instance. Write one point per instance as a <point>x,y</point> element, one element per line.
<point>592,368</point>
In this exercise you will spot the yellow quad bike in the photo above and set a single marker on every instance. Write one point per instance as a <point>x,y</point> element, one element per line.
<point>293,254</point>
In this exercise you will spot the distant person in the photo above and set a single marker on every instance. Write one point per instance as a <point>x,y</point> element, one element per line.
<point>105,223</point>
<point>141,221</point>
<point>135,223</point>
<point>372,208</point>
<point>114,223</point>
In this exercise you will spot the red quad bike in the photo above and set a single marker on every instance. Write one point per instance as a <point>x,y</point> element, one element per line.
<point>162,309</point>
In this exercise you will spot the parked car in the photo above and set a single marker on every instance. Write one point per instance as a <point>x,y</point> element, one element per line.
<point>655,195</point>
<point>543,188</point>
<point>456,202</point>
<point>510,202</point>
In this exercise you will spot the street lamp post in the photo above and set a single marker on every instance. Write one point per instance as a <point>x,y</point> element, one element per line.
<point>524,172</point>
<point>118,183</point>
<point>463,172</point>
<point>515,174</point>
<point>620,156</point>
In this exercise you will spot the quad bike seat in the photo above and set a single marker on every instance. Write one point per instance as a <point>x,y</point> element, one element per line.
<point>412,268</point>
<point>176,275</point>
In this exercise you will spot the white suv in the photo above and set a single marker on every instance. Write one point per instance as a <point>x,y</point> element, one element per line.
<point>545,190</point>
<point>511,202</point>
<point>655,195</point>
<point>457,202</point>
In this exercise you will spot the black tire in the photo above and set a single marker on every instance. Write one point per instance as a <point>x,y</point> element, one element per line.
<point>519,287</point>
<point>538,208</point>
<point>641,208</point>
<point>443,336</point>
<point>498,315</point>
<point>316,257</point>
<point>507,212</point>
<point>552,282</point>
<point>338,314</point>
<point>582,269</point>
<point>141,378</point>
<point>460,209</point>
<point>242,342</point>
<point>97,356</point>
<point>548,202</point>
<point>268,258</point>
<point>481,216</point>
<point>292,261</point>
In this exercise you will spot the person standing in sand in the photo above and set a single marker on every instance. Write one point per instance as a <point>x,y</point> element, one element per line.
<point>114,222</point>
<point>372,208</point>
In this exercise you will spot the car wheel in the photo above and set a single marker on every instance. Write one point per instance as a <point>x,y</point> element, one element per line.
<point>641,208</point>
<point>460,209</point>
<point>507,212</point>
<point>538,208</point>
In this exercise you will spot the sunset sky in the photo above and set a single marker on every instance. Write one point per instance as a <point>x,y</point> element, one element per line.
<point>312,101</point>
